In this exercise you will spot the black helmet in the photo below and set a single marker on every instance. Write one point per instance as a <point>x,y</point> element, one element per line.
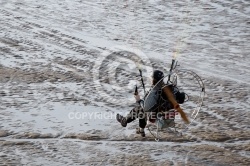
<point>158,75</point>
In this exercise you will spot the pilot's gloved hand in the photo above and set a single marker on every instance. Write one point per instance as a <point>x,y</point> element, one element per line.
<point>137,97</point>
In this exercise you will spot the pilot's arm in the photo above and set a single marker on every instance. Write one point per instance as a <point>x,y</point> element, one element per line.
<point>177,107</point>
<point>139,100</point>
